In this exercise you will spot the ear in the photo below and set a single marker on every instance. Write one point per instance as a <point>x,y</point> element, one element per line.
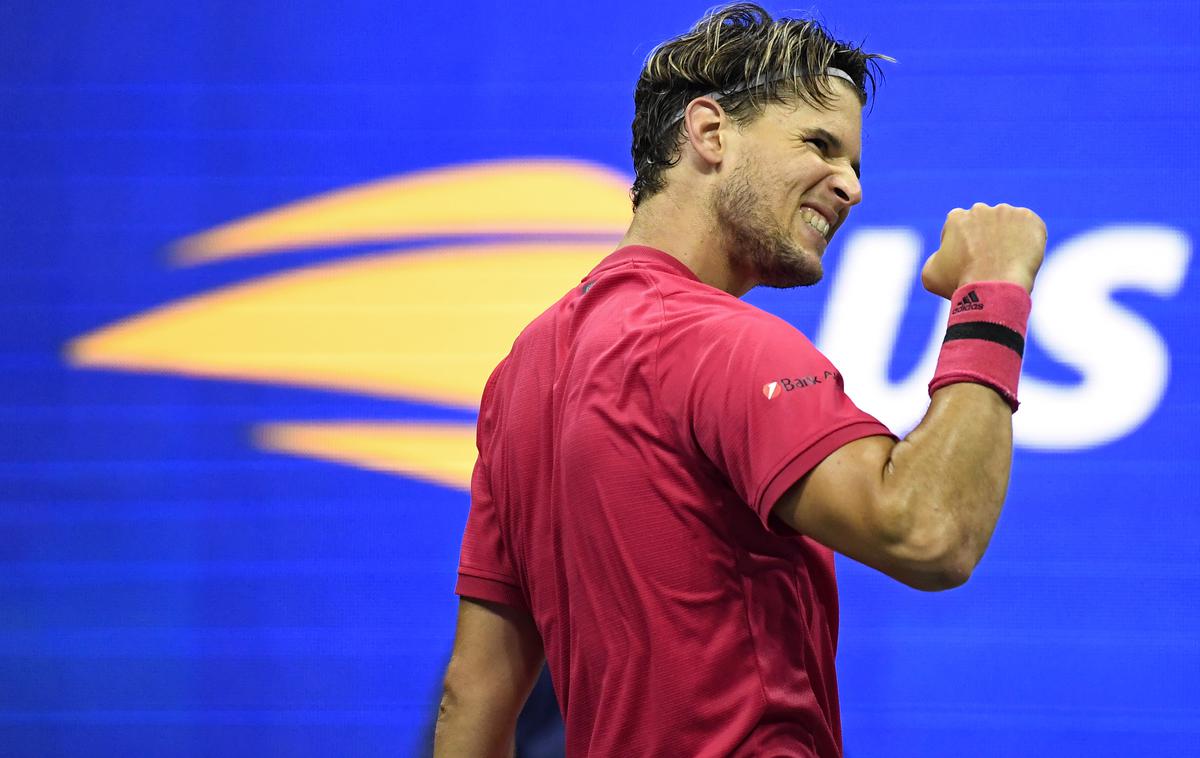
<point>702,121</point>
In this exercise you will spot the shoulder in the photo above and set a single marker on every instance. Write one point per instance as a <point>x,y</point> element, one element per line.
<point>713,322</point>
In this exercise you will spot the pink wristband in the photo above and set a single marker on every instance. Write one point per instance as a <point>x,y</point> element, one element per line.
<point>985,338</point>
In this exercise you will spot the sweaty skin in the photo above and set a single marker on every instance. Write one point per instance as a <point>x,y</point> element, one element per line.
<point>737,210</point>
<point>922,510</point>
<point>496,660</point>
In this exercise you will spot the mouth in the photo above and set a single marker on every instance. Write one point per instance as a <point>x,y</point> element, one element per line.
<point>816,227</point>
<point>816,221</point>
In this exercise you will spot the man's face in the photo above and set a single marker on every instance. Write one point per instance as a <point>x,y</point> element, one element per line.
<point>793,181</point>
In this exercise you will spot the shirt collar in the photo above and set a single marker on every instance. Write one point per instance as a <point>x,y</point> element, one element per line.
<point>646,256</point>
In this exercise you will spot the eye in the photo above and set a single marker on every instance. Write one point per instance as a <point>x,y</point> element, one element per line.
<point>819,144</point>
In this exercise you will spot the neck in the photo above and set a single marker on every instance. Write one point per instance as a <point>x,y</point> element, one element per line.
<point>686,232</point>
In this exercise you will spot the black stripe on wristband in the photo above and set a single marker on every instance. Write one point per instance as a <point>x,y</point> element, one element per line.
<point>985,330</point>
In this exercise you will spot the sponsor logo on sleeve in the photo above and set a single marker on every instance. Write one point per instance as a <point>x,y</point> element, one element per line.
<point>772,390</point>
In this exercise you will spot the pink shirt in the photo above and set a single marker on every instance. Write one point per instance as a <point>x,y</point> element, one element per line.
<point>631,447</point>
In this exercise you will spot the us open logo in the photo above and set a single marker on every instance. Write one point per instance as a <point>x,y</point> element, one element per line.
<point>480,249</point>
<point>429,276</point>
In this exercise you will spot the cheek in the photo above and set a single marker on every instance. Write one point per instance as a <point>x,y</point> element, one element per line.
<point>811,172</point>
<point>779,184</point>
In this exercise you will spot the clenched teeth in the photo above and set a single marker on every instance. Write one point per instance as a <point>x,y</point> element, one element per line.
<point>815,220</point>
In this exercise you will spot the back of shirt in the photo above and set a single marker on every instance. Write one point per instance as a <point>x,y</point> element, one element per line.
<point>631,447</point>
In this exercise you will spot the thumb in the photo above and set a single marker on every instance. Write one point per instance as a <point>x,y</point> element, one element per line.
<point>934,277</point>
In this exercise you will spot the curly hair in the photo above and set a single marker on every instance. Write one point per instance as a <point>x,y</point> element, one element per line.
<point>724,53</point>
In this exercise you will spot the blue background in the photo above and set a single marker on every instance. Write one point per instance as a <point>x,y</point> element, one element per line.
<point>166,589</point>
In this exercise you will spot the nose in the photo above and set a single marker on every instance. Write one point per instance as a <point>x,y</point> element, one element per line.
<point>847,186</point>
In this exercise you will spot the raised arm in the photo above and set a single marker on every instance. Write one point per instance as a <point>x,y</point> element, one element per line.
<point>496,660</point>
<point>922,510</point>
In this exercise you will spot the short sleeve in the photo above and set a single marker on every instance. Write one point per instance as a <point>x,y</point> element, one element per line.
<point>484,568</point>
<point>765,406</point>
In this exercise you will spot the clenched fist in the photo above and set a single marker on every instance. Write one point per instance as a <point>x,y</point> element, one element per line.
<point>986,243</point>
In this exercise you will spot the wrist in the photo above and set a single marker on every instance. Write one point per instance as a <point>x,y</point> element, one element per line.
<point>1019,278</point>
<point>985,338</point>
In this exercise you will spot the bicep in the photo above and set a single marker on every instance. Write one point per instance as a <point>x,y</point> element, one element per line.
<point>496,658</point>
<point>839,504</point>
<point>497,654</point>
<point>920,510</point>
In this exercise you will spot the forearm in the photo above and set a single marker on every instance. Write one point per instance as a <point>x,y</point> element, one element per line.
<point>946,481</point>
<point>949,477</point>
<point>477,727</point>
<point>923,510</point>
<point>496,659</point>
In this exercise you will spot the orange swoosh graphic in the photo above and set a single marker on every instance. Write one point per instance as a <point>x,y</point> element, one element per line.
<point>501,197</point>
<point>428,325</point>
<point>440,453</point>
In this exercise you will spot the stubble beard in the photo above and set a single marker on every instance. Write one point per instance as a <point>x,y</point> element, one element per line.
<point>754,240</point>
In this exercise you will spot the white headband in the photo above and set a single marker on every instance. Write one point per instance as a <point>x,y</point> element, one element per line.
<point>759,81</point>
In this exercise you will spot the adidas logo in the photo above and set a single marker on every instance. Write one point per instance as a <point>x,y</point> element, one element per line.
<point>968,303</point>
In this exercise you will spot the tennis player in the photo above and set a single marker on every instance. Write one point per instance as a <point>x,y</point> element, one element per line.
<point>665,471</point>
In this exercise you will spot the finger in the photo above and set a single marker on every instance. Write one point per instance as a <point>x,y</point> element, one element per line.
<point>950,216</point>
<point>933,279</point>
